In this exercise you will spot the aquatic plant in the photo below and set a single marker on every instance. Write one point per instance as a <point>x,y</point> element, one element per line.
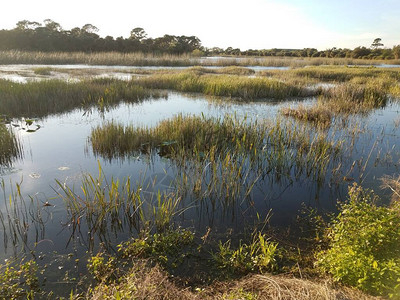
<point>260,255</point>
<point>103,206</point>
<point>10,147</point>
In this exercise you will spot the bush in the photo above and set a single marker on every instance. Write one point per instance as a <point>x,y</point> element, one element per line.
<point>364,245</point>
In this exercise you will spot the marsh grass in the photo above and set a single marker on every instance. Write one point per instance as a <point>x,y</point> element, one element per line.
<point>43,71</point>
<point>240,87</point>
<point>40,99</point>
<point>222,159</point>
<point>10,146</point>
<point>102,206</point>
<point>341,101</point>
<point>142,59</point>
<point>316,114</point>
<point>23,221</point>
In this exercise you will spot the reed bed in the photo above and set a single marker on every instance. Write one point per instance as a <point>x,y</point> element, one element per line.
<point>10,147</point>
<point>344,73</point>
<point>224,85</point>
<point>143,59</point>
<point>43,98</point>
<point>341,101</point>
<point>99,58</point>
<point>222,160</point>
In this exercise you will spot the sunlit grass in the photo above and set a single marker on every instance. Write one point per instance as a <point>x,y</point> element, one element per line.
<point>224,85</point>
<point>143,59</point>
<point>39,99</point>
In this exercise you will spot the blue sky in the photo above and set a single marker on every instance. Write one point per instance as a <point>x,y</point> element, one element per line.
<point>247,24</point>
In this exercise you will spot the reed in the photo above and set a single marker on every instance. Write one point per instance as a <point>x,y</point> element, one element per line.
<point>10,147</point>
<point>40,99</point>
<point>23,221</point>
<point>143,59</point>
<point>222,159</point>
<point>243,88</point>
<point>102,206</point>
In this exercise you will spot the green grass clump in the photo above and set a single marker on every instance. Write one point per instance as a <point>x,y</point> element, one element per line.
<point>258,256</point>
<point>240,87</point>
<point>364,244</point>
<point>10,148</point>
<point>40,99</point>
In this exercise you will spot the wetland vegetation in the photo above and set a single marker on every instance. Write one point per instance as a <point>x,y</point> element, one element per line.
<point>203,204</point>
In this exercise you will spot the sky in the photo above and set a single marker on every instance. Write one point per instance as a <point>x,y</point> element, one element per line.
<point>246,24</point>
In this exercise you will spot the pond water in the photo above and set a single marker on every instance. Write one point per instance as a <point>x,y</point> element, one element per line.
<point>60,150</point>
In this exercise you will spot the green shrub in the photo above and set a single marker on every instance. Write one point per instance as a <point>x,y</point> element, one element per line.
<point>364,245</point>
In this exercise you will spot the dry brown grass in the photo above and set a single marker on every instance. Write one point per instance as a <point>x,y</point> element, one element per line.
<point>152,283</point>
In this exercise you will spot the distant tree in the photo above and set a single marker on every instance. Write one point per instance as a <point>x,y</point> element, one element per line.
<point>27,25</point>
<point>138,34</point>
<point>89,28</point>
<point>376,43</point>
<point>52,26</point>
<point>396,52</point>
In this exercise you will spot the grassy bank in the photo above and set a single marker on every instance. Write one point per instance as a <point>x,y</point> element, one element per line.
<point>39,99</point>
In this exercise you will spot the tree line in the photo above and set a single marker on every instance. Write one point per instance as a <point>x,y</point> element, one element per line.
<point>50,36</point>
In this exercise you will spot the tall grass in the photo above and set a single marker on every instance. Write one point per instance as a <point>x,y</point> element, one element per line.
<point>106,205</point>
<point>10,147</point>
<point>142,59</point>
<point>23,221</point>
<point>39,99</point>
<point>342,100</point>
<point>223,85</point>
<point>223,159</point>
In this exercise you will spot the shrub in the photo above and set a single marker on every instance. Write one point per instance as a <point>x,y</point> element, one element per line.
<point>364,242</point>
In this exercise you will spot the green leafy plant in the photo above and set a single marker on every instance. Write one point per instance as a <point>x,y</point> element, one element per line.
<point>364,244</point>
<point>260,255</point>
<point>19,281</point>
<point>167,248</point>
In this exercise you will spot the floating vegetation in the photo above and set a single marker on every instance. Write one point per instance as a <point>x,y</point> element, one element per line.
<point>40,99</point>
